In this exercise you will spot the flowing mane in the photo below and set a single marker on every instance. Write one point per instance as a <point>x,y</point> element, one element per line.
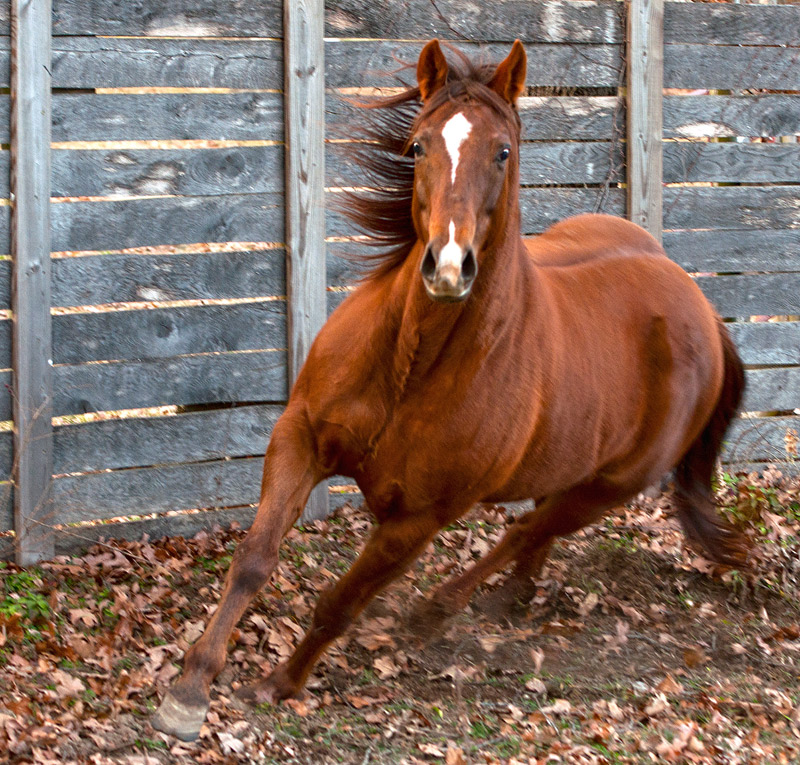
<point>381,209</point>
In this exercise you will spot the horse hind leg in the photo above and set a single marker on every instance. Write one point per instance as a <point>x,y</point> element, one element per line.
<point>526,543</point>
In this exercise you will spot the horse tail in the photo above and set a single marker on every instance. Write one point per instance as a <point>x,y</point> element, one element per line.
<point>693,496</point>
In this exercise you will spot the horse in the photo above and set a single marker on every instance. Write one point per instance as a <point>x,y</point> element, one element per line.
<point>575,368</point>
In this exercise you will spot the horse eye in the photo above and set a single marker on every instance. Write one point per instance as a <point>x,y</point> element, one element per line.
<point>504,154</point>
<point>417,149</point>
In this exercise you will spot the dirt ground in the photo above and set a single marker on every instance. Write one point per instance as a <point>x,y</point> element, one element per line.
<point>634,650</point>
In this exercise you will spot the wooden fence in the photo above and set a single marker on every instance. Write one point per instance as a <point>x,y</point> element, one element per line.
<point>166,295</point>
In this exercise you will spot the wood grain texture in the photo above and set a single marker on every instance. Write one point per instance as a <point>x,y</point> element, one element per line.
<point>94,62</point>
<point>32,333</point>
<point>644,89</point>
<point>259,376</point>
<point>728,67</point>
<point>760,439</point>
<point>686,162</point>
<point>176,18</point>
<point>304,105</point>
<point>241,431</point>
<point>760,294</point>
<point>119,224</point>
<point>100,279</point>
<point>774,343</point>
<point>731,207</point>
<point>180,172</point>
<point>735,250</point>
<point>772,390</point>
<point>163,333</point>
<point>726,24</point>
<point>552,21</point>
<point>766,114</point>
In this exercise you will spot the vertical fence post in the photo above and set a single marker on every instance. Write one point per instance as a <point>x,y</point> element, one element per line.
<point>645,61</point>
<point>30,288</point>
<point>304,110</point>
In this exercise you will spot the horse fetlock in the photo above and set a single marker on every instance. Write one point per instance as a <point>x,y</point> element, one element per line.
<point>178,719</point>
<point>279,685</point>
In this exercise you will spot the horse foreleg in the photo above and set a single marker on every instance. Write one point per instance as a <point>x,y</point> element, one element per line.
<point>391,549</point>
<point>290,474</point>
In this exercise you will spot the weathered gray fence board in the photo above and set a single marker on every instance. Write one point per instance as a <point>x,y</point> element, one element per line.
<point>99,279</point>
<point>184,172</point>
<point>767,114</point>
<point>162,333</point>
<point>736,207</point>
<point>166,116</point>
<point>259,116</point>
<point>30,183</point>
<point>241,431</point>
<point>222,483</point>
<point>88,62</point>
<point>759,439</point>
<point>726,24</point>
<point>6,458</point>
<point>119,224</point>
<point>730,67</point>
<point>372,63</point>
<point>5,395</point>
<point>177,18</point>
<point>93,62</point>
<point>735,250</point>
<point>731,162</point>
<point>767,342</point>
<point>761,294</point>
<point>259,376</point>
<point>548,21</point>
<point>771,390</point>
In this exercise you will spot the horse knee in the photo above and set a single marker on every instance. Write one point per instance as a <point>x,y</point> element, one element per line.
<point>251,568</point>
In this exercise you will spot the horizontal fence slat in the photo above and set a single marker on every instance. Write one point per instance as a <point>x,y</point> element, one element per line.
<point>734,250</point>
<point>760,294</point>
<point>770,390</point>
<point>166,116</point>
<point>553,21</point>
<point>767,342</point>
<point>222,483</point>
<point>163,333</point>
<point>730,67</point>
<point>108,62</point>
<point>688,162</point>
<point>241,431</point>
<point>177,18</point>
<point>759,439</point>
<point>726,24</point>
<point>183,172</point>
<point>731,207</point>
<point>372,63</point>
<point>210,379</point>
<point>764,115</point>
<point>98,279</point>
<point>120,224</point>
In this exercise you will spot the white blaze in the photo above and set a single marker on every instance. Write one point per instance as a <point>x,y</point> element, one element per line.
<point>451,254</point>
<point>455,132</point>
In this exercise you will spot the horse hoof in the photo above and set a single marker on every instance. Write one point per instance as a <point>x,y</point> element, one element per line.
<point>271,690</point>
<point>178,719</point>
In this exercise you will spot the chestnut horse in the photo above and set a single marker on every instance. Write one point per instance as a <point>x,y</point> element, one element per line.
<point>575,368</point>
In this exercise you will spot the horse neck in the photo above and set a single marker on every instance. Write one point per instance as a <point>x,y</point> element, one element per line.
<point>426,330</point>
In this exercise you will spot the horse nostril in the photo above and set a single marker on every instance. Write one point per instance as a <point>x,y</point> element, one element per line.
<point>469,268</point>
<point>428,266</point>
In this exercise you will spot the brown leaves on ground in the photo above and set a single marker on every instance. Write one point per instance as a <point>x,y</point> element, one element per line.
<point>634,649</point>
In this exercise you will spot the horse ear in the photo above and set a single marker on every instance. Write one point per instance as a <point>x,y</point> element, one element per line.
<point>508,80</point>
<point>431,70</point>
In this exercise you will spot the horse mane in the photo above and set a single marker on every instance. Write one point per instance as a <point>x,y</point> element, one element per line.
<point>381,208</point>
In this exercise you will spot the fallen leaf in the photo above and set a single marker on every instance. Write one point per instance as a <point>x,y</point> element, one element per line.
<point>385,667</point>
<point>430,749</point>
<point>658,705</point>
<point>669,686</point>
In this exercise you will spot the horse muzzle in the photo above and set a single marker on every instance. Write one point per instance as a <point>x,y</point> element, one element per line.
<point>448,281</point>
